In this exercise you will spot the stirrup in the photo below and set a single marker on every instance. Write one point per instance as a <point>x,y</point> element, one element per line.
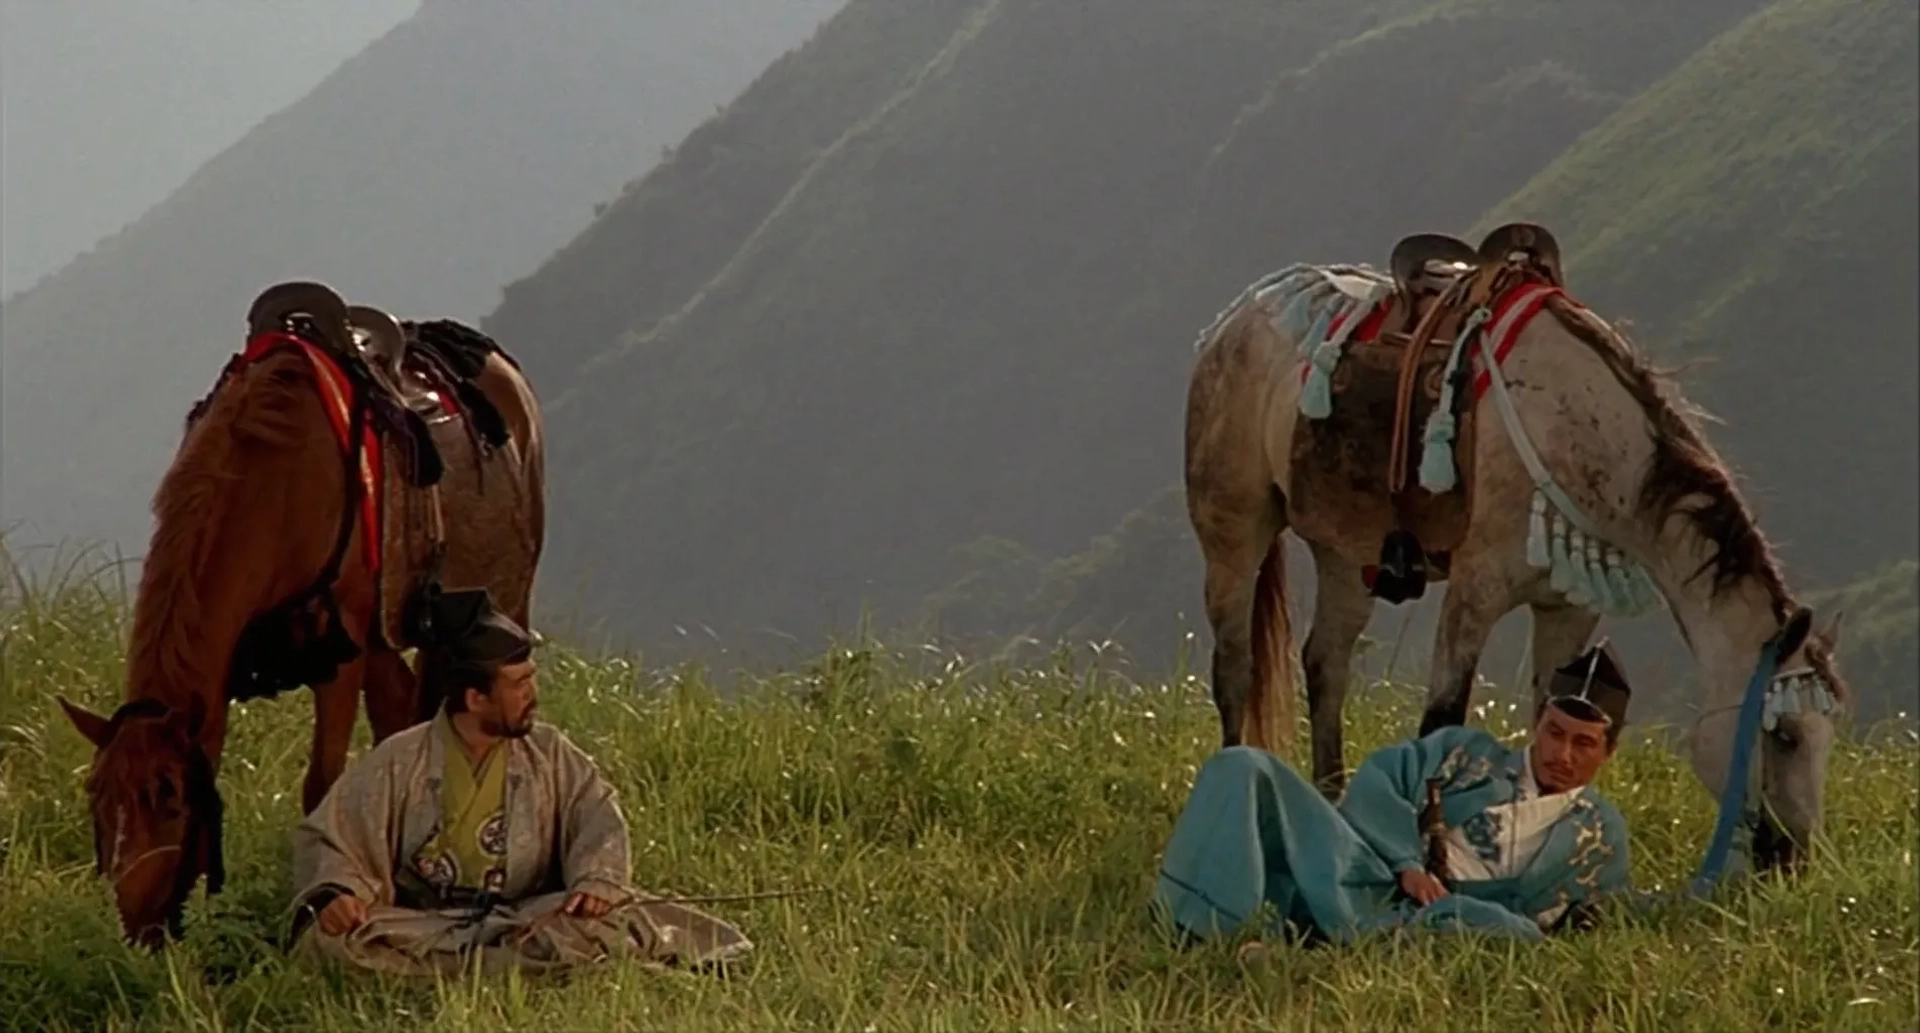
<point>1402,572</point>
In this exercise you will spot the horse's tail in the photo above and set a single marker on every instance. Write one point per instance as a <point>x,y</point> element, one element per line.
<point>1270,713</point>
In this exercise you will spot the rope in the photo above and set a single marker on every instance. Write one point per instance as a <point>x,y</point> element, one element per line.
<point>1417,341</point>
<point>1733,795</point>
<point>1522,444</point>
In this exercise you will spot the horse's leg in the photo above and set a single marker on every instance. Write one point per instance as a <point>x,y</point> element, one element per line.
<point>1341,609</point>
<point>1234,551</point>
<point>391,692</point>
<point>1559,631</point>
<point>1476,599</point>
<point>335,705</point>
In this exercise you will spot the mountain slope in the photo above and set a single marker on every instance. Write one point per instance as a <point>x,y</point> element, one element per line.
<point>107,107</point>
<point>917,280</point>
<point>448,158</point>
<point>1470,101</point>
<point>968,317</point>
<point>668,233</point>
<point>1799,285</point>
<point>1758,208</point>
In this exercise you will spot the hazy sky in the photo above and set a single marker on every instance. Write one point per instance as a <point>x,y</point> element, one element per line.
<point>107,105</point>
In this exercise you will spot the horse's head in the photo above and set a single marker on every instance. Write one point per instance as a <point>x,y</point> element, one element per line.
<point>156,812</point>
<point>1795,745</point>
<point>1788,773</point>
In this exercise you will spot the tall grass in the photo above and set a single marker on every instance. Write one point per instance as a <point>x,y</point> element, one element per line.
<point>973,848</point>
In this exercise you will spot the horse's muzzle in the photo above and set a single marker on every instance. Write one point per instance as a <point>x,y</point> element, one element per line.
<point>1775,851</point>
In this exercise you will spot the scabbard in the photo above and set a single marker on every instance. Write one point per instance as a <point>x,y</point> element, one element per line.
<point>1433,827</point>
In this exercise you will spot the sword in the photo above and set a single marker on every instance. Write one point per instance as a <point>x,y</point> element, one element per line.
<point>1433,826</point>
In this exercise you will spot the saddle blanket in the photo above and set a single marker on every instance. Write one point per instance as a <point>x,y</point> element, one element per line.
<point>1511,314</point>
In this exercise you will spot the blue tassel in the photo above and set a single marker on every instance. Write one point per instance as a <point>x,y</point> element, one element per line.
<point>1562,579</point>
<point>1316,395</point>
<point>1318,334</point>
<point>1436,454</point>
<point>1606,583</point>
<point>1537,557</point>
<point>1299,308</point>
<point>1579,585</point>
<point>1635,601</point>
<point>1437,472</point>
<point>1622,580</point>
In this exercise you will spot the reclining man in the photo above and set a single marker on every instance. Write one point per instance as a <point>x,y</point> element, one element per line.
<point>483,831</point>
<point>1520,843</point>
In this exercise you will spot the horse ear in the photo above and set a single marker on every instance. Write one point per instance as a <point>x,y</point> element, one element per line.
<point>97,730</point>
<point>1794,633</point>
<point>1833,630</point>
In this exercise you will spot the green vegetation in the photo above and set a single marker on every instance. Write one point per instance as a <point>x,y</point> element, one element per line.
<point>1756,209</point>
<point>924,291</point>
<point>447,158</point>
<point>1003,592</point>
<point>918,270</point>
<point>1756,137</point>
<point>1715,213</point>
<point>976,848</point>
<point>707,196</point>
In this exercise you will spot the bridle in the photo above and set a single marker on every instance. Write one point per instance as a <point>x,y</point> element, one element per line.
<point>204,822</point>
<point>1760,706</point>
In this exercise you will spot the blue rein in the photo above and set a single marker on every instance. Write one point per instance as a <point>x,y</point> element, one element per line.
<point>1733,795</point>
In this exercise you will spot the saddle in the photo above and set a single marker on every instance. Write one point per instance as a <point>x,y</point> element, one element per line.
<point>1439,282</point>
<point>395,363</point>
<point>362,333</point>
<point>420,383</point>
<point>423,373</point>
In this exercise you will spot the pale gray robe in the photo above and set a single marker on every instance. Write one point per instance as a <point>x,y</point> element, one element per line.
<point>565,834</point>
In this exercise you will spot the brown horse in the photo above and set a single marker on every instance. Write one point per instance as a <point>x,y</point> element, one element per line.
<point>342,465</point>
<point>1587,490</point>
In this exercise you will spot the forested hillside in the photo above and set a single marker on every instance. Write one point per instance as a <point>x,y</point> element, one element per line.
<point>449,157</point>
<point>964,313</point>
<point>1759,210</point>
<point>906,328</point>
<point>1754,208</point>
<point>903,329</point>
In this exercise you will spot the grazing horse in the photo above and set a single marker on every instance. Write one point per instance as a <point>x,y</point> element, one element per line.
<point>1320,394</point>
<point>343,466</point>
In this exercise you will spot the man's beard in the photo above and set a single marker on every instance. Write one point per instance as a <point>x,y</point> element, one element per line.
<point>502,730</point>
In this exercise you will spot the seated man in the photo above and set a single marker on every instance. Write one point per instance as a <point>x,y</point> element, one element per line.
<point>482,831</point>
<point>1520,839</point>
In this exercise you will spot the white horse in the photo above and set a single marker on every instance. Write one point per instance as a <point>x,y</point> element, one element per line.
<point>1594,494</point>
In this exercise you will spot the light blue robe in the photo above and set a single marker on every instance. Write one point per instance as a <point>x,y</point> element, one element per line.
<point>1255,832</point>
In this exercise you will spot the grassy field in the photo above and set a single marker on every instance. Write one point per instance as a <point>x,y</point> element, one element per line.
<point>977,845</point>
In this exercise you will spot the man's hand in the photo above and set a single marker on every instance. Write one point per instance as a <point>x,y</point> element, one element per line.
<point>584,905</point>
<point>343,914</point>
<point>577,905</point>
<point>1422,887</point>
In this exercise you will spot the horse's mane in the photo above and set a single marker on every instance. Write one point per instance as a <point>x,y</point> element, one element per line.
<point>258,406</point>
<point>1684,465</point>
